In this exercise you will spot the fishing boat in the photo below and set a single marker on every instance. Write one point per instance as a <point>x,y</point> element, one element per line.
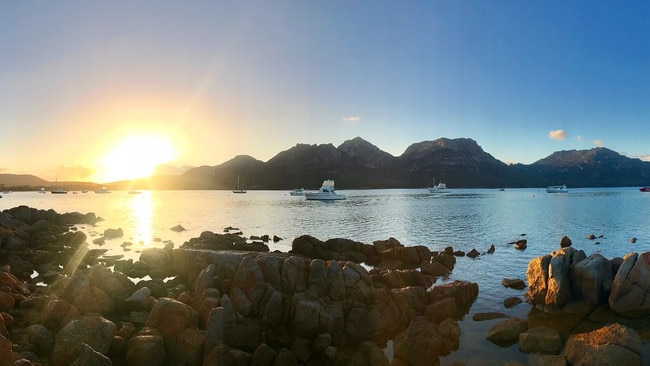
<point>438,188</point>
<point>297,192</point>
<point>325,193</point>
<point>238,188</point>
<point>102,190</point>
<point>557,189</point>
<point>644,189</point>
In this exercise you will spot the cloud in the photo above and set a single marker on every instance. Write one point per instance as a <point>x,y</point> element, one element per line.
<point>557,135</point>
<point>352,119</point>
<point>598,143</point>
<point>645,157</point>
<point>579,138</point>
<point>77,172</point>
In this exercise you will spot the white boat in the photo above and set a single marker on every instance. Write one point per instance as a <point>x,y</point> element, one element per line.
<point>438,188</point>
<point>238,188</point>
<point>42,190</point>
<point>102,190</point>
<point>557,189</point>
<point>297,192</point>
<point>325,193</point>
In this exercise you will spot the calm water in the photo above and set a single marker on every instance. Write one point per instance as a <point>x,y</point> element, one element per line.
<point>465,219</point>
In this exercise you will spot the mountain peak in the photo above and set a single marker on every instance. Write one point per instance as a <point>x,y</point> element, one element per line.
<point>458,144</point>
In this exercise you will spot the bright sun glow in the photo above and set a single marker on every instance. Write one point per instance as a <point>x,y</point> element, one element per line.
<point>136,157</point>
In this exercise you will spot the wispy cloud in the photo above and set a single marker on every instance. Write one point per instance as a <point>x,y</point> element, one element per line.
<point>74,172</point>
<point>598,143</point>
<point>579,139</point>
<point>352,119</point>
<point>557,135</point>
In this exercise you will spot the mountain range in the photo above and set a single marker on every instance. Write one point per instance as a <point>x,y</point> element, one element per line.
<point>358,164</point>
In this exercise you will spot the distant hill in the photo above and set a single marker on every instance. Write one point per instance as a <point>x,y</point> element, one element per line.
<point>17,181</point>
<point>358,164</point>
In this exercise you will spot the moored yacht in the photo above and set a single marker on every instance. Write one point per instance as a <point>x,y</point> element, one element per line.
<point>325,193</point>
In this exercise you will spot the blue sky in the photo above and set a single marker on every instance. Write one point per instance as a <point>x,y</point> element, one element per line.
<point>222,78</point>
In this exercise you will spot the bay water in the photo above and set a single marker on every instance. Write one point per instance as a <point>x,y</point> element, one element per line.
<point>464,219</point>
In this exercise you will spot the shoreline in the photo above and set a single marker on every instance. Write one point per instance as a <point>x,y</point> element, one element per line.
<point>256,294</point>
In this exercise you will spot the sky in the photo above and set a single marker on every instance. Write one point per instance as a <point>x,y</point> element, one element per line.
<point>102,90</point>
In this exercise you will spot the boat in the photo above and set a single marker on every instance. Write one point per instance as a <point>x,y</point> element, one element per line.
<point>134,192</point>
<point>644,189</point>
<point>557,189</point>
<point>325,193</point>
<point>238,188</point>
<point>438,188</point>
<point>102,190</point>
<point>42,190</point>
<point>297,192</point>
<point>58,190</point>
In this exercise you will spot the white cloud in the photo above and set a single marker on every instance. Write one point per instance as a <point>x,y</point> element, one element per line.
<point>557,135</point>
<point>598,143</point>
<point>352,119</point>
<point>579,138</point>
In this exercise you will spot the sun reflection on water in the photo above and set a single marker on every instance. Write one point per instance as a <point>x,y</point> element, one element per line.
<point>142,213</point>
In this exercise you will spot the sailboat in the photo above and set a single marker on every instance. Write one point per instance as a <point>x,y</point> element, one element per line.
<point>238,188</point>
<point>58,190</point>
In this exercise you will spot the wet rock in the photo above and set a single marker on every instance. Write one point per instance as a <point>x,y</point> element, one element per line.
<point>434,269</point>
<point>565,242</point>
<point>514,283</point>
<point>615,344</point>
<point>473,253</point>
<point>178,228</point>
<point>512,301</point>
<point>541,339</point>
<point>478,317</point>
<point>506,333</point>
<point>521,244</point>
<point>113,233</point>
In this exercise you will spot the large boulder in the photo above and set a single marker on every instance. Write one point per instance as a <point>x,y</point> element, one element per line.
<point>171,317</point>
<point>506,333</point>
<point>542,339</point>
<point>94,331</point>
<point>422,343</point>
<point>631,286</point>
<point>592,279</point>
<point>615,344</point>
<point>549,277</point>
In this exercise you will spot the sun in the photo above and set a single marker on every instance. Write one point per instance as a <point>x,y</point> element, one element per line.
<point>136,157</point>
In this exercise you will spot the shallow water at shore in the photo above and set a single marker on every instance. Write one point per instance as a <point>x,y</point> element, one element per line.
<point>464,219</point>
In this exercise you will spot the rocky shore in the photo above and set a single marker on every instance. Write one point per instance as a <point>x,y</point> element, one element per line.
<point>221,299</point>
